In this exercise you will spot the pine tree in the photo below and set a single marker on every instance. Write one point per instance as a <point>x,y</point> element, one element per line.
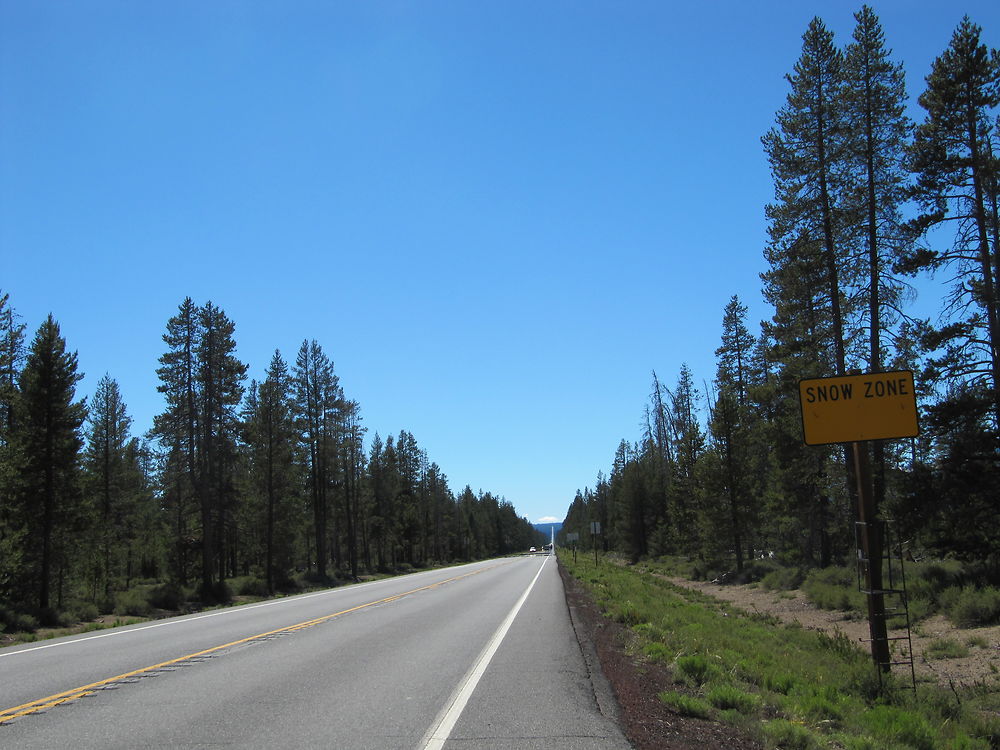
<point>730,421</point>
<point>688,444</point>
<point>875,98</point>
<point>352,460</point>
<point>317,394</point>
<point>220,376</point>
<point>178,431</point>
<point>271,442</point>
<point>812,225</point>
<point>808,221</point>
<point>380,521</point>
<point>11,358</point>
<point>48,423</point>
<point>202,381</point>
<point>144,531</point>
<point>878,132</point>
<point>108,472</point>
<point>957,177</point>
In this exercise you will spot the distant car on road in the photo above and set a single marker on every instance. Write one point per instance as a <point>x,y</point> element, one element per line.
<point>532,549</point>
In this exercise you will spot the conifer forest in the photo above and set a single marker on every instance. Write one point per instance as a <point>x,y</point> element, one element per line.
<point>866,202</point>
<point>265,481</point>
<point>263,476</point>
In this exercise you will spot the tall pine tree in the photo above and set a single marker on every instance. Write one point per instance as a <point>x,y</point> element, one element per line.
<point>48,423</point>
<point>952,156</point>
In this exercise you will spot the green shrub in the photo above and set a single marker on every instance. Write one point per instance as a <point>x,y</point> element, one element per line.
<point>860,743</point>
<point>834,588</point>
<point>658,652</point>
<point>919,609</point>
<point>84,612</point>
<point>936,576</point>
<point>220,593</point>
<point>132,602</point>
<point>820,706</point>
<point>686,705</point>
<point>787,735</point>
<point>970,607</point>
<point>731,697</point>
<point>940,705</point>
<point>167,596</point>
<point>627,614</point>
<point>695,668</point>
<point>895,726</point>
<point>945,648</point>
<point>249,586</point>
<point>17,622</point>
<point>839,644</point>
<point>780,683</point>
<point>783,579</point>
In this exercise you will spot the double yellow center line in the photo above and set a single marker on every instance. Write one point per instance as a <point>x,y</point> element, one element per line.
<point>70,695</point>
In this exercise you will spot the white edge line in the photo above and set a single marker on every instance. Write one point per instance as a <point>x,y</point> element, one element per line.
<point>125,630</point>
<point>440,731</point>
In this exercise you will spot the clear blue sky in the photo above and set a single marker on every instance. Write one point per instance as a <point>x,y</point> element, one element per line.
<point>498,218</point>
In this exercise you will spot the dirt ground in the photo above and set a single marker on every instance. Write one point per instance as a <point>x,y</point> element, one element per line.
<point>982,664</point>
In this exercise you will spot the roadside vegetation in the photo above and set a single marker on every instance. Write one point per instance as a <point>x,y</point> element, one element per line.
<point>789,687</point>
<point>951,588</point>
<point>150,600</point>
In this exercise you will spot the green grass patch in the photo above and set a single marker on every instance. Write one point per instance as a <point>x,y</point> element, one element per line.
<point>790,687</point>
<point>687,705</point>
<point>783,579</point>
<point>730,697</point>
<point>695,669</point>
<point>897,727</point>
<point>835,588</point>
<point>945,648</point>
<point>789,735</point>
<point>970,607</point>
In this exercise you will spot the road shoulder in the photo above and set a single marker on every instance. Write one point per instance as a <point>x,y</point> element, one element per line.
<point>634,684</point>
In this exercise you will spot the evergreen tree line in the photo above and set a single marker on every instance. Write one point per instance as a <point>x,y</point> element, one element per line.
<point>268,479</point>
<point>865,200</point>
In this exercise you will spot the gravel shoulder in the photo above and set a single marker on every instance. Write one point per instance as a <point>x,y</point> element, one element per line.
<point>636,683</point>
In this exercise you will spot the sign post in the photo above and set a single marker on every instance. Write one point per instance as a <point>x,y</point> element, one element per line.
<point>595,531</point>
<point>855,409</point>
<point>573,537</point>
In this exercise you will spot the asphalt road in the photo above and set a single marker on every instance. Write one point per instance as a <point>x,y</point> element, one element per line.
<point>476,656</point>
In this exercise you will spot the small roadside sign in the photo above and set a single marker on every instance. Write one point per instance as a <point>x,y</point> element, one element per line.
<point>595,527</point>
<point>854,408</point>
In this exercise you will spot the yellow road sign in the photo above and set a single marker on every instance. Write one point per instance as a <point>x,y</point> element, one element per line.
<point>852,408</point>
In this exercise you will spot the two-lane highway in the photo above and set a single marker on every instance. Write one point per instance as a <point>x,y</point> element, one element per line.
<point>477,656</point>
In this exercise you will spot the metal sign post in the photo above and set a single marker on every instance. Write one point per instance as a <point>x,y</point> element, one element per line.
<point>572,537</point>
<point>856,409</point>
<point>870,557</point>
<point>595,531</point>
